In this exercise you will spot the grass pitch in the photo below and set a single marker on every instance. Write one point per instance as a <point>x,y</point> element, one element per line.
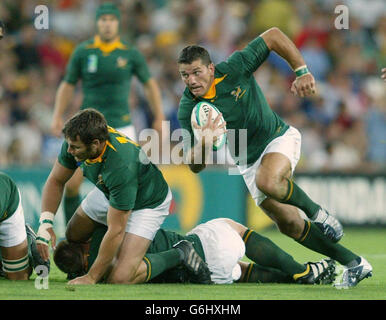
<point>370,243</point>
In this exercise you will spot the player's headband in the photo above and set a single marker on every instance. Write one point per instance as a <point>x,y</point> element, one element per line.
<point>108,8</point>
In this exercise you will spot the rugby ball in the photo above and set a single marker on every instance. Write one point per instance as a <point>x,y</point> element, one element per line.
<point>200,115</point>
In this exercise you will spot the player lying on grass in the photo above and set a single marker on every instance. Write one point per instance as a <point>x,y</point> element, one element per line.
<point>130,197</point>
<point>221,243</point>
<point>19,254</point>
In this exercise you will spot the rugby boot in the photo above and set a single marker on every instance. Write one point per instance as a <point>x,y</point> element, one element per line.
<point>352,276</point>
<point>329,225</point>
<point>322,272</point>
<point>193,262</point>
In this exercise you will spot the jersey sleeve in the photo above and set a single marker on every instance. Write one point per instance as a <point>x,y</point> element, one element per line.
<point>249,59</point>
<point>123,187</point>
<point>66,159</point>
<point>73,69</point>
<point>141,69</point>
<point>184,114</point>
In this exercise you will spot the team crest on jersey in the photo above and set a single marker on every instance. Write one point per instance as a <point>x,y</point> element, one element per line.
<point>121,62</point>
<point>238,93</point>
<point>100,180</point>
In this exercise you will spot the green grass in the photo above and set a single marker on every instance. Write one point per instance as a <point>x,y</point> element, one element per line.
<point>371,243</point>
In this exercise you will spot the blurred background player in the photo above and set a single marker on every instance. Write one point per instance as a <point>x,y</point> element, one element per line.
<point>221,243</point>
<point>106,65</point>
<point>273,147</point>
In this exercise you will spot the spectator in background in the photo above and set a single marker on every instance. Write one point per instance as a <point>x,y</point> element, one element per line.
<point>159,29</point>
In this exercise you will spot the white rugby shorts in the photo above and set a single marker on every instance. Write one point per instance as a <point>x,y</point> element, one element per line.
<point>12,230</point>
<point>144,222</point>
<point>288,144</point>
<point>223,248</point>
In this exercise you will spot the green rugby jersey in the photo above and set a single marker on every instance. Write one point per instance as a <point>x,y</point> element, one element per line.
<point>120,174</point>
<point>9,197</point>
<point>106,71</point>
<point>239,98</point>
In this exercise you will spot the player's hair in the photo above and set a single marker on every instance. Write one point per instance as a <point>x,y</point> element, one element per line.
<point>193,53</point>
<point>68,256</point>
<point>88,124</point>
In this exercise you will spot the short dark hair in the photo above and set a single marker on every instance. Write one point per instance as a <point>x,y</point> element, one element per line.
<point>68,256</point>
<point>193,53</point>
<point>88,124</point>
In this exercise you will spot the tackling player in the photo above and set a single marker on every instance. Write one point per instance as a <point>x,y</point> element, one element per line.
<point>221,243</point>
<point>130,197</point>
<point>105,64</point>
<point>273,147</point>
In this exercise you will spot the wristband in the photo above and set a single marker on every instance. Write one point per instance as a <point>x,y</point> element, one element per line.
<point>47,217</point>
<point>301,71</point>
<point>46,221</point>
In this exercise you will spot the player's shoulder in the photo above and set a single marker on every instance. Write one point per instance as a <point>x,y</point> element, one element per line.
<point>4,177</point>
<point>187,104</point>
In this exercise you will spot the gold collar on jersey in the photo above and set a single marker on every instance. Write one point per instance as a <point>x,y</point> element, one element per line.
<point>211,93</point>
<point>107,47</point>
<point>99,158</point>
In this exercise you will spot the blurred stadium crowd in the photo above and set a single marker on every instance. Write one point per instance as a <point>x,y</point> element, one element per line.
<point>343,127</point>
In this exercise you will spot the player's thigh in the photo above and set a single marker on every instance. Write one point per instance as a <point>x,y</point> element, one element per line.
<point>72,186</point>
<point>129,257</point>
<point>15,261</point>
<point>80,227</point>
<point>274,167</point>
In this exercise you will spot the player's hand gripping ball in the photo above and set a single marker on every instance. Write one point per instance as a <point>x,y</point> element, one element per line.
<point>200,115</point>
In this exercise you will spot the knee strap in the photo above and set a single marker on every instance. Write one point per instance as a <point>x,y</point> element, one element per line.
<point>10,266</point>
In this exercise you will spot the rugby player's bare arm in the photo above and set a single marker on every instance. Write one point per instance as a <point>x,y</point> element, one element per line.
<point>153,96</point>
<point>277,41</point>
<point>116,223</point>
<point>53,188</point>
<point>51,197</point>
<point>64,95</point>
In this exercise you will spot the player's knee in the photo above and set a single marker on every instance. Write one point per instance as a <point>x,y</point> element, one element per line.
<point>291,227</point>
<point>268,184</point>
<point>22,275</point>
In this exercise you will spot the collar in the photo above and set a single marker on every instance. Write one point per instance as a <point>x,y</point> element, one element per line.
<point>211,93</point>
<point>107,47</point>
<point>99,159</point>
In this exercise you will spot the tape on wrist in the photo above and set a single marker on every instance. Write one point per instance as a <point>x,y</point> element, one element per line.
<point>301,71</point>
<point>47,218</point>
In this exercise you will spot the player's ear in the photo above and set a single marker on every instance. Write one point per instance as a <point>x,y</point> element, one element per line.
<point>211,67</point>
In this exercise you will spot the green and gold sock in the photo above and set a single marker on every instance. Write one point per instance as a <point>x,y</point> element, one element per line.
<point>314,239</point>
<point>70,204</point>
<point>298,198</point>
<point>259,274</point>
<point>265,253</point>
<point>157,263</point>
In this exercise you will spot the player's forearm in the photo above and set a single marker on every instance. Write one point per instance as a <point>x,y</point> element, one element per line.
<point>107,251</point>
<point>153,96</point>
<point>64,94</point>
<point>52,195</point>
<point>277,41</point>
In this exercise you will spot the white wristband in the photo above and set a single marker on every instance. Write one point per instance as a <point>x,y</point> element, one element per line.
<point>47,217</point>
